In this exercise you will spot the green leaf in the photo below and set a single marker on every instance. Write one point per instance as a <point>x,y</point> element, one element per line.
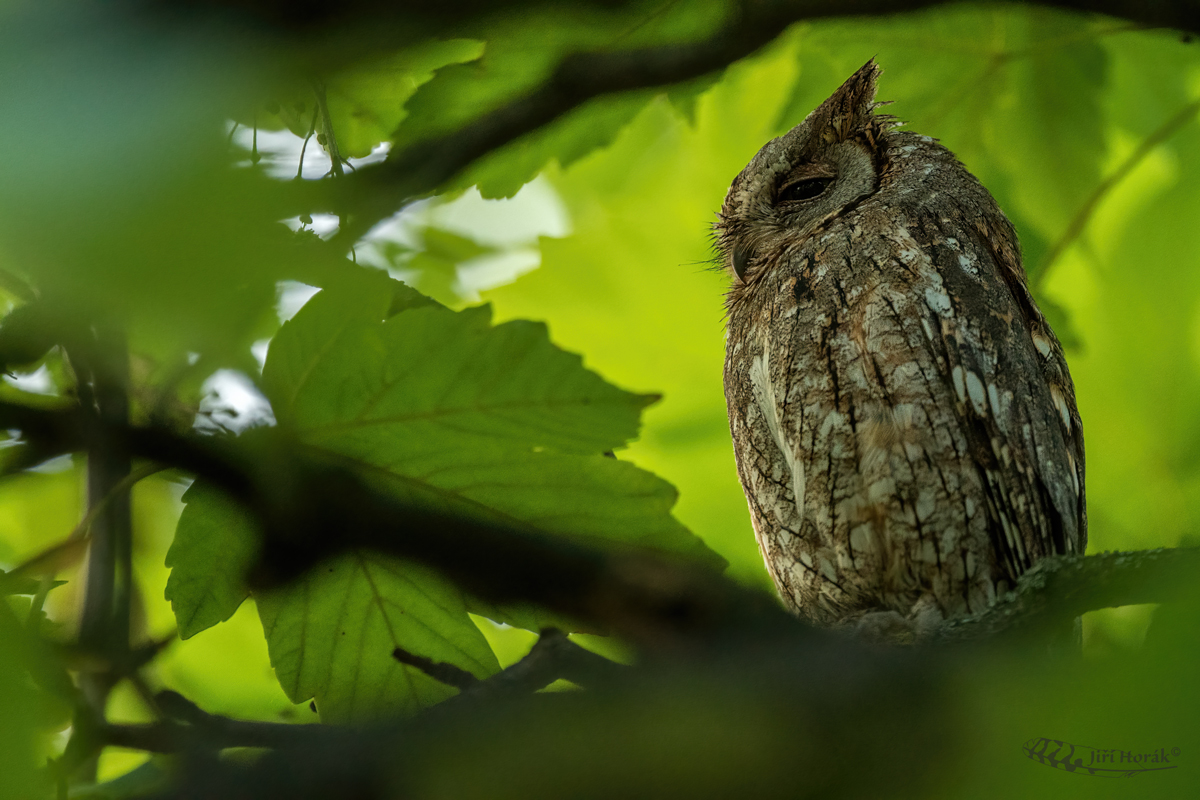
<point>452,247</point>
<point>331,635</point>
<point>516,58</point>
<point>490,422</point>
<point>214,545</point>
<point>590,127</point>
<point>448,412</point>
<point>437,264</point>
<point>20,737</point>
<point>685,96</point>
<point>366,104</point>
<point>24,584</point>
<point>522,53</point>
<point>366,101</point>
<point>146,779</point>
<point>428,388</point>
<point>26,334</point>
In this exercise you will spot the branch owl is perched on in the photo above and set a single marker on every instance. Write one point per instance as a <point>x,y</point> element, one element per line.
<point>902,415</point>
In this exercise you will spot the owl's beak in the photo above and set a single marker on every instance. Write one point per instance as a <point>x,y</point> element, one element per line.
<point>740,259</point>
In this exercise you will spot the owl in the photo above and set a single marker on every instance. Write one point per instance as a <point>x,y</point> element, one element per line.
<point>902,415</point>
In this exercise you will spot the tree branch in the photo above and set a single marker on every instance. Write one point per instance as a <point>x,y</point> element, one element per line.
<point>327,137</point>
<point>103,366</point>
<point>297,498</point>
<point>553,656</point>
<point>374,193</point>
<point>423,167</point>
<point>186,726</point>
<point>1058,589</point>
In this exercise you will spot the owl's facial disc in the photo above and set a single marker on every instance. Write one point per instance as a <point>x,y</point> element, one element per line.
<point>814,191</point>
<point>796,204</point>
<point>803,179</point>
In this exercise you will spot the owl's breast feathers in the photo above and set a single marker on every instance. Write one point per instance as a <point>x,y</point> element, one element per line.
<point>902,414</point>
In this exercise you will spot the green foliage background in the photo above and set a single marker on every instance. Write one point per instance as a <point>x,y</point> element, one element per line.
<point>1041,106</point>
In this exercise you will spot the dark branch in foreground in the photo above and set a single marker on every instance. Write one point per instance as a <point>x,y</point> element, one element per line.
<point>296,499</point>
<point>186,726</point>
<point>1061,588</point>
<point>1055,591</point>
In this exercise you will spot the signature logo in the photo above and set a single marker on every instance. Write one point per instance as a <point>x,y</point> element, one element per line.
<point>1111,763</point>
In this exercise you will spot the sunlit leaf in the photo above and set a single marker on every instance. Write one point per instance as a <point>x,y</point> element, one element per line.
<point>484,421</point>
<point>448,412</point>
<point>430,375</point>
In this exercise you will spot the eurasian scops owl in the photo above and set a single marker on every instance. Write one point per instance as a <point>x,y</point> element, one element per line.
<point>904,423</point>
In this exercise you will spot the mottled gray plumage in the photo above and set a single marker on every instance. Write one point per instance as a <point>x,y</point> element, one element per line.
<point>903,419</point>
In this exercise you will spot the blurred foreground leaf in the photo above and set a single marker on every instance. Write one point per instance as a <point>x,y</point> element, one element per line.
<point>448,413</point>
<point>365,100</point>
<point>20,703</point>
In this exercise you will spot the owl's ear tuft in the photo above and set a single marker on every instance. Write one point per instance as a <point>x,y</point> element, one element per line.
<point>848,112</point>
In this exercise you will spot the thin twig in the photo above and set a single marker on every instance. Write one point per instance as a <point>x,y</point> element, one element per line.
<point>312,127</point>
<point>553,656</point>
<point>438,670</point>
<point>49,561</point>
<point>186,726</point>
<point>216,733</point>
<point>254,156</point>
<point>327,132</point>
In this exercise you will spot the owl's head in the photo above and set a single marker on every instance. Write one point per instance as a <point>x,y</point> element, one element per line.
<point>799,181</point>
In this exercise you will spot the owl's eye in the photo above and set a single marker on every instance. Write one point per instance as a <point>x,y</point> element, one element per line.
<point>803,190</point>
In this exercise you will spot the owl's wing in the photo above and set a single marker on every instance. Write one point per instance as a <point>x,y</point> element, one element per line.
<point>1014,395</point>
